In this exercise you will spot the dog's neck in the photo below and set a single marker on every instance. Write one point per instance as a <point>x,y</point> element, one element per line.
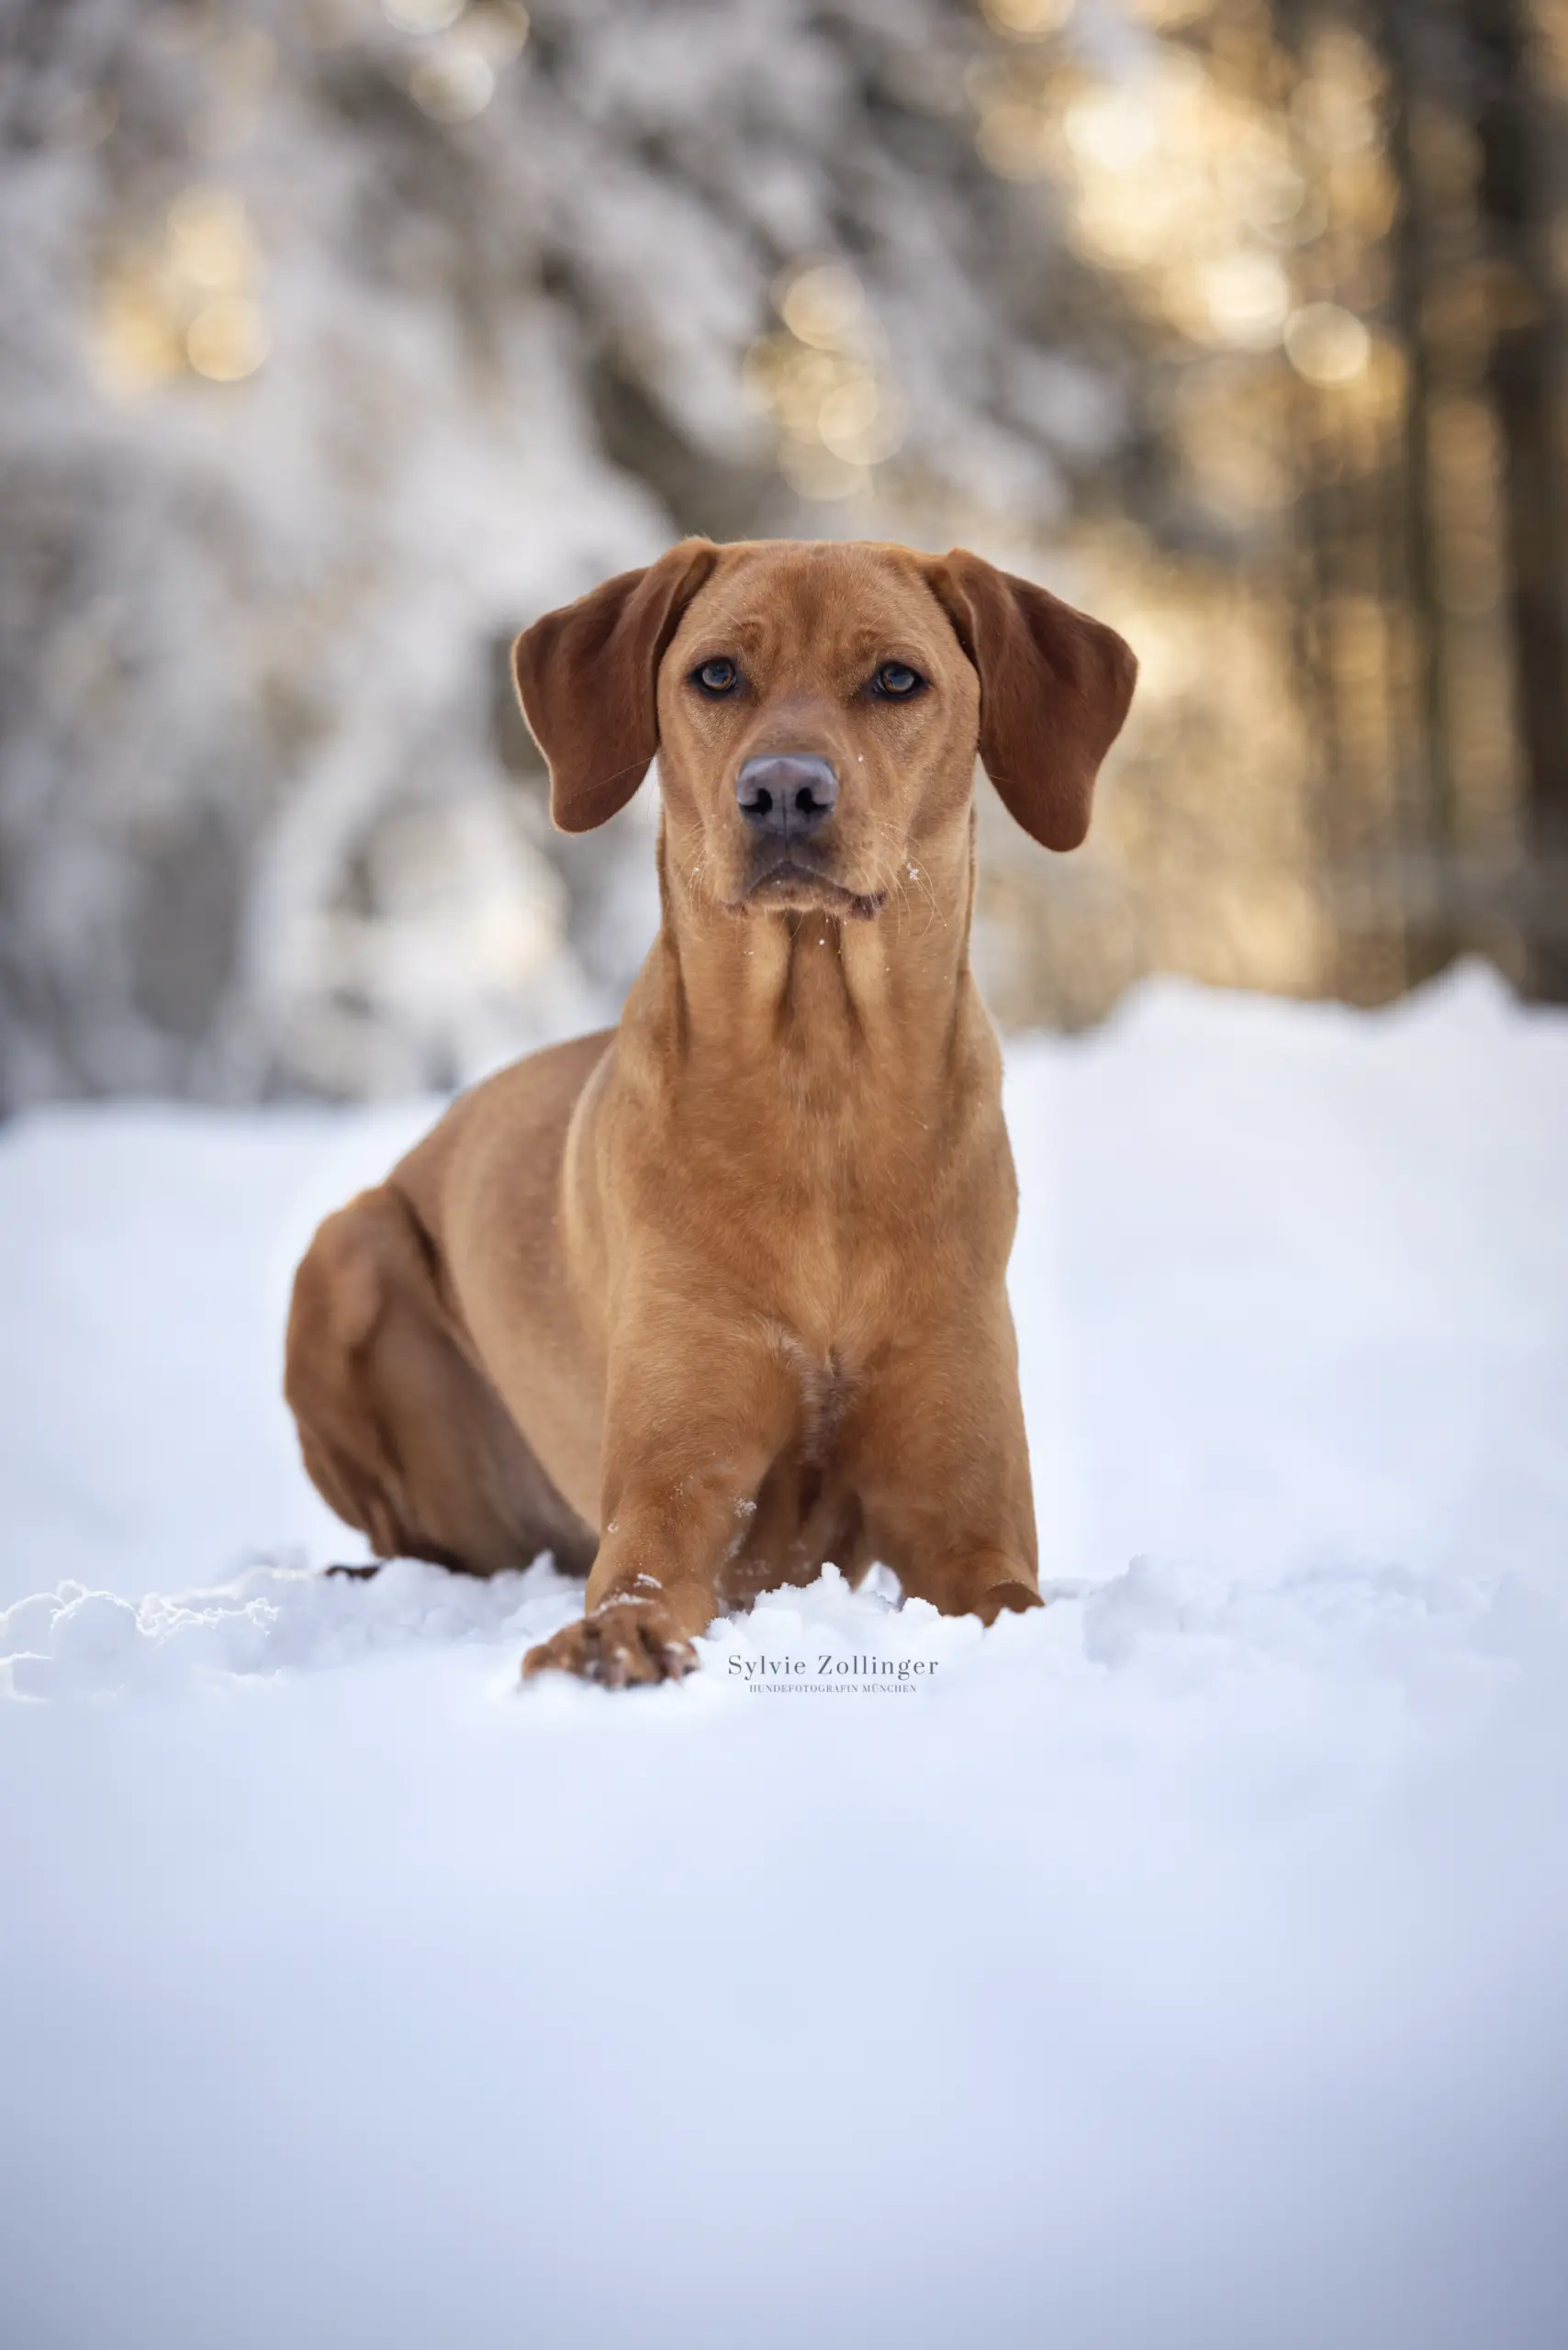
<point>880,1006</point>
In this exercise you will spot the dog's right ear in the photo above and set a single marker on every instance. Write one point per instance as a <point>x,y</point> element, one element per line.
<point>588,679</point>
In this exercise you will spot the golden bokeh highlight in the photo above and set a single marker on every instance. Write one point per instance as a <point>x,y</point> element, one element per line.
<point>422,15</point>
<point>823,383</point>
<point>186,304</point>
<point>453,85</point>
<point>226,340</point>
<point>1026,19</point>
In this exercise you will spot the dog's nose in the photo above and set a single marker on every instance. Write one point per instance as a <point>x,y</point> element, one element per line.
<point>786,796</point>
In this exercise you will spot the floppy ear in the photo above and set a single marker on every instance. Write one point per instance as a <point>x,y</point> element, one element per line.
<point>1055,686</point>
<point>588,678</point>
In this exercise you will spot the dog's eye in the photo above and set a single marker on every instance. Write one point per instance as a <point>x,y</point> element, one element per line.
<point>717,677</point>
<point>897,681</point>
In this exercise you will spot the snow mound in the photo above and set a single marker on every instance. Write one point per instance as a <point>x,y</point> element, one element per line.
<point>1177,1967</point>
<point>75,1643</point>
<point>1185,1633</point>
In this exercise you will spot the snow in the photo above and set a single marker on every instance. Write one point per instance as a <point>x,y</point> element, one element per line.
<point>1181,1966</point>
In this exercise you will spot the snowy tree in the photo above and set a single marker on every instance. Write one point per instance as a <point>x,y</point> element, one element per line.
<point>340,339</point>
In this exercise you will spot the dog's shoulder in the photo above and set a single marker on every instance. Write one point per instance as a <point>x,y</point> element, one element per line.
<point>520,1112</point>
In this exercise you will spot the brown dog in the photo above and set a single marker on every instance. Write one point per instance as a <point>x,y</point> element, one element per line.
<point>704,1302</point>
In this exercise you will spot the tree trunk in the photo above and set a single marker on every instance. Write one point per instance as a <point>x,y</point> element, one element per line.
<point>1527,388</point>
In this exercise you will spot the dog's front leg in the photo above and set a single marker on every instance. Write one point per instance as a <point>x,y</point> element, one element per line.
<point>937,1451</point>
<point>695,1416</point>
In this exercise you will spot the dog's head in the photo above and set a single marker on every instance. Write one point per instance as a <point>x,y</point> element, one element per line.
<point>817,709</point>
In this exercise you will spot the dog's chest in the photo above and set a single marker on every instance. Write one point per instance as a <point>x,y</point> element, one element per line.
<point>839,1235</point>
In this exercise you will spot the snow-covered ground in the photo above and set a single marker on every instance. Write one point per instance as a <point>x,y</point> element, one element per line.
<point>1185,1966</point>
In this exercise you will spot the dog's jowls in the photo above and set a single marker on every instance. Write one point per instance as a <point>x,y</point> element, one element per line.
<point>708,1300</point>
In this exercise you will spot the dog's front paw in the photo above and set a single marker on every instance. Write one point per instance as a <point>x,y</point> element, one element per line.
<point>1004,1598</point>
<point>620,1643</point>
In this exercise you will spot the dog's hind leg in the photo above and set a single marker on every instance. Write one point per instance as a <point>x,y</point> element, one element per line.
<point>399,1428</point>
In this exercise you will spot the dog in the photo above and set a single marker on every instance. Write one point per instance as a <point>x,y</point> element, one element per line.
<point>706,1301</point>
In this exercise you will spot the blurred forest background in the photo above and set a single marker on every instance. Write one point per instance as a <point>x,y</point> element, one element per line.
<point>341,336</point>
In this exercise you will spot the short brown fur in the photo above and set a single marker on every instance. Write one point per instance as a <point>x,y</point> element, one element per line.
<point>706,1301</point>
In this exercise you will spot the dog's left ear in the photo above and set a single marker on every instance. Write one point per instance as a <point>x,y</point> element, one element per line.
<point>588,679</point>
<point>1055,687</point>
